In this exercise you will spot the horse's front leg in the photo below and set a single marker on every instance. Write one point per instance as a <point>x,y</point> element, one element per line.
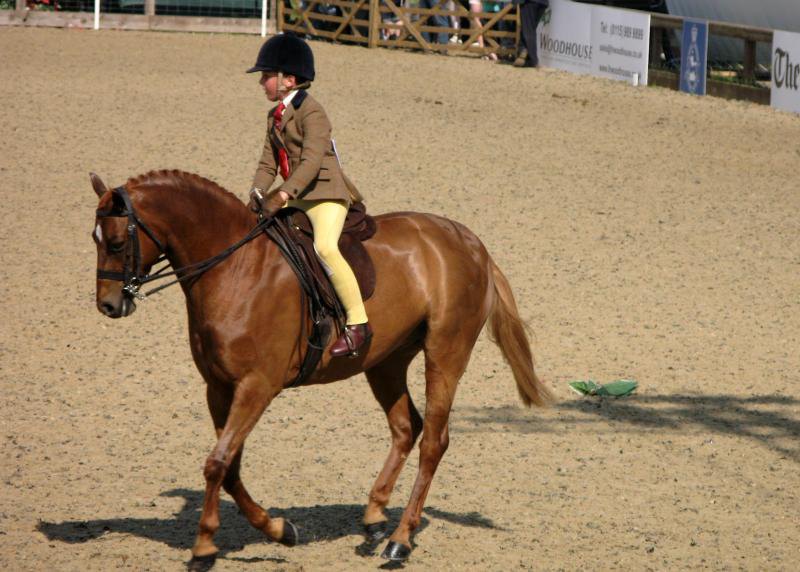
<point>219,397</point>
<point>235,412</point>
<point>277,529</point>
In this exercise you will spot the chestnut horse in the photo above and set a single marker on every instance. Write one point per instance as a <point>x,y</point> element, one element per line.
<point>436,287</point>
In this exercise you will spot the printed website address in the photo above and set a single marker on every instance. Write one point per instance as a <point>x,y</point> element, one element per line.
<point>620,72</point>
<point>609,49</point>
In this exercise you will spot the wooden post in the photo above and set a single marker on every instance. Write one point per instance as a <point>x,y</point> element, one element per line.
<point>656,46</point>
<point>20,4</point>
<point>374,21</point>
<point>279,16</point>
<point>749,72</point>
<point>149,7</point>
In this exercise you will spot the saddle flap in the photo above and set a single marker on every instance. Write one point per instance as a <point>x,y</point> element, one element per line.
<point>358,226</point>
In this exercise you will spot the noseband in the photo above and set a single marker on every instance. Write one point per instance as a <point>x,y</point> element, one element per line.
<point>133,278</point>
<point>131,275</point>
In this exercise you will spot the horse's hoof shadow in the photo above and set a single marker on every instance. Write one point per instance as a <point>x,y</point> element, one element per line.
<point>201,563</point>
<point>373,536</point>
<point>376,532</point>
<point>392,565</point>
<point>366,549</point>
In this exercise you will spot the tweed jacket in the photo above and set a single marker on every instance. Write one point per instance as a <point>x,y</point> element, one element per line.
<point>315,173</point>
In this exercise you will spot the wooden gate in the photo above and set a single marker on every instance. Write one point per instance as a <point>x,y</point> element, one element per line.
<point>338,20</point>
<point>391,23</point>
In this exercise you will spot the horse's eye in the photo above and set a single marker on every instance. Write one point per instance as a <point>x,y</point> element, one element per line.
<point>116,247</point>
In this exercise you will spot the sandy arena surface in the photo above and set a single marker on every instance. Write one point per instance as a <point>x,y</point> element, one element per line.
<point>647,235</point>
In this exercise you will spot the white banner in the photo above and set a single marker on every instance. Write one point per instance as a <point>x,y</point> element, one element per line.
<point>620,44</point>
<point>565,37</point>
<point>786,71</point>
<point>596,40</point>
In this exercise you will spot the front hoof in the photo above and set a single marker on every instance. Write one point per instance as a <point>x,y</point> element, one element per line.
<point>290,536</point>
<point>201,563</point>
<point>376,531</point>
<point>396,552</point>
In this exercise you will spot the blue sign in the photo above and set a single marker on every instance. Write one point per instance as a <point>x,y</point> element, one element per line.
<point>694,56</point>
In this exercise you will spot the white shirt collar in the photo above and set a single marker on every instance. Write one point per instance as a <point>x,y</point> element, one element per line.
<point>288,99</point>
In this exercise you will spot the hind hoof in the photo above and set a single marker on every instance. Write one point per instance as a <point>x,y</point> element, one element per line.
<point>290,536</point>
<point>201,563</point>
<point>396,552</point>
<point>375,532</point>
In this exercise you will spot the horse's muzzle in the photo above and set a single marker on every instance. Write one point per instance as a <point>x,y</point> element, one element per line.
<point>121,309</point>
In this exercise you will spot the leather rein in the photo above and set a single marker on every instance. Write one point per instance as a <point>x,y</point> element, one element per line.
<point>132,276</point>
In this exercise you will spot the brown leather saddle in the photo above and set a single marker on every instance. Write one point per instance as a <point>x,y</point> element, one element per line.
<point>358,226</point>
<point>291,231</point>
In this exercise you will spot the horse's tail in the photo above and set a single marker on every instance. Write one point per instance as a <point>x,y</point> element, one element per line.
<point>507,330</point>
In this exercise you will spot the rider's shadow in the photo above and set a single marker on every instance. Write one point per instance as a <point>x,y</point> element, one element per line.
<point>317,523</point>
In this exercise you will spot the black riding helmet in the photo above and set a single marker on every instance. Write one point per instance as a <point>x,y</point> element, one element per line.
<point>286,54</point>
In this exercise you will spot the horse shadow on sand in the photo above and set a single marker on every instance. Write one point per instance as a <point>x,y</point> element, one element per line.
<point>771,420</point>
<point>318,523</point>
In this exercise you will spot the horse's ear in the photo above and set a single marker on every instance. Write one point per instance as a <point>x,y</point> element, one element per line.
<point>98,185</point>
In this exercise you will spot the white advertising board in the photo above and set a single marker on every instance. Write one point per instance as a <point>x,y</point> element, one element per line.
<point>565,37</point>
<point>596,40</point>
<point>620,44</point>
<point>786,71</point>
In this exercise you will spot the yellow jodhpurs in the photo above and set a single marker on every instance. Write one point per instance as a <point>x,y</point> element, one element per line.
<point>327,219</point>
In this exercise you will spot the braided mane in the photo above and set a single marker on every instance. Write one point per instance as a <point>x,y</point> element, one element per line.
<point>180,180</point>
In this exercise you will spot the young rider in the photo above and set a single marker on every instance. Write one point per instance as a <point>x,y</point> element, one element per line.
<point>300,148</point>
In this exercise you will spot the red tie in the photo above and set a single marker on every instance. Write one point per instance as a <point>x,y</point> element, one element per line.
<point>283,158</point>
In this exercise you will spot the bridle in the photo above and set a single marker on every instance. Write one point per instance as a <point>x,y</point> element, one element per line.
<point>132,275</point>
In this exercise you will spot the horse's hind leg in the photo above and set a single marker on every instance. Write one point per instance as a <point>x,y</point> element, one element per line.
<point>446,358</point>
<point>235,413</point>
<point>388,384</point>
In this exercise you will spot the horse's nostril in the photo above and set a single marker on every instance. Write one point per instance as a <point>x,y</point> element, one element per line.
<point>107,308</point>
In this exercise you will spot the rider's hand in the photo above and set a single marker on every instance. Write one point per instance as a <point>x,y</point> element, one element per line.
<point>275,202</point>
<point>266,206</point>
<point>256,203</point>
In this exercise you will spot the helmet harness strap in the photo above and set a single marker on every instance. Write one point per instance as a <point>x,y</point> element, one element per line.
<point>281,88</point>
